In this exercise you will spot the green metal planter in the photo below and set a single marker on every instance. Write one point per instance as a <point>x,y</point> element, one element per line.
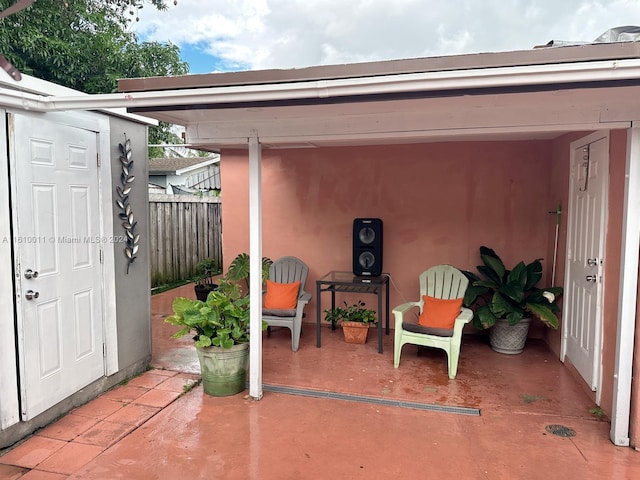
<point>224,370</point>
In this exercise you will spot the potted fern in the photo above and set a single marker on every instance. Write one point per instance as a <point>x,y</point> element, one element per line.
<point>354,320</point>
<point>504,301</point>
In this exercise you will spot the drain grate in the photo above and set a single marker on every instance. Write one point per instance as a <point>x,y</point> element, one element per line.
<point>378,401</point>
<point>560,430</point>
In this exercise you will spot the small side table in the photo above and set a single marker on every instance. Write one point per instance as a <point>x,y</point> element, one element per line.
<point>337,281</point>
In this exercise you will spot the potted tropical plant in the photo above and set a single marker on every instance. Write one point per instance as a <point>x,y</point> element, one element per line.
<point>239,269</point>
<point>221,334</point>
<point>506,300</point>
<point>354,319</point>
<point>205,271</point>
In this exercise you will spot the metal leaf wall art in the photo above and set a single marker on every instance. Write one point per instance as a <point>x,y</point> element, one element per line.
<point>128,221</point>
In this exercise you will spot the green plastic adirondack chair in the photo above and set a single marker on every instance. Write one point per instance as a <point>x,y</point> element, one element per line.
<point>443,282</point>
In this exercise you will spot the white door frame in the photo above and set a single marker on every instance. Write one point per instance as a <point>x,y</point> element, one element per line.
<point>598,341</point>
<point>106,202</point>
<point>628,294</point>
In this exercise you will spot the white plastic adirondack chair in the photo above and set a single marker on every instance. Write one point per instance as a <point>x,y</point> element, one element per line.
<point>289,270</point>
<point>440,281</point>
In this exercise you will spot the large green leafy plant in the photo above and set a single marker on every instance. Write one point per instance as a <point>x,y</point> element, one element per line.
<point>239,268</point>
<point>510,294</point>
<point>84,44</point>
<point>221,321</point>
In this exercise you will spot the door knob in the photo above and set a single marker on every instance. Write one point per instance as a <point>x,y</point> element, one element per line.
<point>28,273</point>
<point>592,262</point>
<point>591,278</point>
<point>30,294</point>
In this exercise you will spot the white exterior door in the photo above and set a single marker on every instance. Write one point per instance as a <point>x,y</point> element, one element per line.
<point>582,326</point>
<point>57,260</point>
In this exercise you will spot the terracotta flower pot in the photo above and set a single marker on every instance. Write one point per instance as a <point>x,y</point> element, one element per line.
<point>355,332</point>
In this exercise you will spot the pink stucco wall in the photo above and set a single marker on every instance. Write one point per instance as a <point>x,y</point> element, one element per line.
<point>439,202</point>
<point>617,160</point>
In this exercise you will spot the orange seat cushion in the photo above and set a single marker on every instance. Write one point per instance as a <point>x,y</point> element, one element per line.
<point>281,296</point>
<point>439,313</point>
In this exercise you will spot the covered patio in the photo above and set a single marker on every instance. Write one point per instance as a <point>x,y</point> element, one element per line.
<point>505,137</point>
<point>532,383</point>
<point>340,411</point>
<point>453,153</point>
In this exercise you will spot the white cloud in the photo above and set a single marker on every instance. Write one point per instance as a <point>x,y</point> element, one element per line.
<point>297,33</point>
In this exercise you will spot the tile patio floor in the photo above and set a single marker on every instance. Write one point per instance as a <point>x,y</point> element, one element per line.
<point>365,427</point>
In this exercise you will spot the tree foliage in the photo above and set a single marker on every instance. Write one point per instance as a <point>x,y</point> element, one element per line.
<point>86,45</point>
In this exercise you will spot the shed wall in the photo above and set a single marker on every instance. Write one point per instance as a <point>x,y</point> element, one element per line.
<point>132,288</point>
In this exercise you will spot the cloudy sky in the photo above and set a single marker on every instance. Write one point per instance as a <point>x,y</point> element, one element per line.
<point>226,35</point>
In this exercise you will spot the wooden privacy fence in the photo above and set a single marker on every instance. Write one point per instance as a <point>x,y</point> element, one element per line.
<point>184,229</point>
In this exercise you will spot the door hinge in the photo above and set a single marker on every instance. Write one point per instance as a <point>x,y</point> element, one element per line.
<point>98,159</point>
<point>104,350</point>
<point>101,256</point>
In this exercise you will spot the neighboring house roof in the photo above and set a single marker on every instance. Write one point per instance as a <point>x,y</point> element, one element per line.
<point>208,179</point>
<point>179,190</point>
<point>198,173</point>
<point>174,165</point>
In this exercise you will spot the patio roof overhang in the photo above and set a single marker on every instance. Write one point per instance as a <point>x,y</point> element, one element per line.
<point>515,95</point>
<point>461,116</point>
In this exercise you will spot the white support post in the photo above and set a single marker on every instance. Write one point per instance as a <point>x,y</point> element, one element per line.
<point>627,299</point>
<point>255,267</point>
